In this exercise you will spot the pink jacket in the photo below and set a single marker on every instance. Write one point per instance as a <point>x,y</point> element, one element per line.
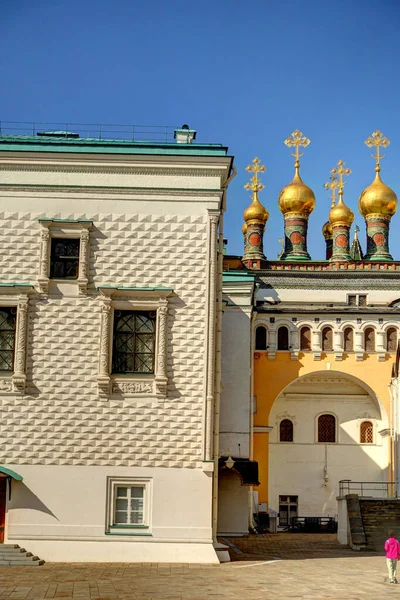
<point>392,547</point>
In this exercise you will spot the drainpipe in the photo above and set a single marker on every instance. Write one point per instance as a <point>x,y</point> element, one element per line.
<point>218,364</point>
<point>251,445</point>
<point>391,436</point>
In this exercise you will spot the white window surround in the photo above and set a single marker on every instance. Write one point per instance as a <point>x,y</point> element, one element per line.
<point>59,228</point>
<point>132,384</point>
<point>15,295</point>
<point>144,529</point>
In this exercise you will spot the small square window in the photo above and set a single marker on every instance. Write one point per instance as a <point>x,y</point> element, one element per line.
<point>64,258</point>
<point>352,300</point>
<point>362,300</point>
<point>128,506</point>
<point>134,341</point>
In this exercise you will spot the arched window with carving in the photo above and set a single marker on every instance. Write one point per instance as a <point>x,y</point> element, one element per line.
<point>327,339</point>
<point>283,338</point>
<point>366,432</point>
<point>391,339</point>
<point>326,429</point>
<point>369,339</point>
<point>348,336</point>
<point>305,339</point>
<point>286,431</point>
<point>261,338</point>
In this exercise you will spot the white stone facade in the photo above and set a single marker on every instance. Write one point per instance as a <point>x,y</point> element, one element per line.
<point>144,223</point>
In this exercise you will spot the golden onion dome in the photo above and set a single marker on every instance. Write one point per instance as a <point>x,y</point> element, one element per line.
<point>256,211</point>
<point>327,231</point>
<point>296,197</point>
<point>340,214</point>
<point>244,228</point>
<point>377,198</point>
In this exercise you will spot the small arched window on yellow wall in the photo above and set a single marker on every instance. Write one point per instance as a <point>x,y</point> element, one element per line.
<point>286,431</point>
<point>283,338</point>
<point>369,339</point>
<point>366,433</point>
<point>327,339</point>
<point>348,339</point>
<point>391,339</point>
<point>305,339</point>
<point>261,338</point>
<point>326,429</point>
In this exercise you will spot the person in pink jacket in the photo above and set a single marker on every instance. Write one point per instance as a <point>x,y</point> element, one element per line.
<point>392,549</point>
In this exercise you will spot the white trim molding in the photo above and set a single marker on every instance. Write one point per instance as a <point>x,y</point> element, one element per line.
<point>132,385</point>
<point>64,229</point>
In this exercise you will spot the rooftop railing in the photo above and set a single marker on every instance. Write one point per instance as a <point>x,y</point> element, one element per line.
<point>375,489</point>
<point>94,131</point>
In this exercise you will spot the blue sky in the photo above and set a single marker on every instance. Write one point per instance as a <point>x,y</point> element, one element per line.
<point>242,74</point>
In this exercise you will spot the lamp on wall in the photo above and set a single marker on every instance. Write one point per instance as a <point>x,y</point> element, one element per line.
<point>326,477</point>
<point>229,462</point>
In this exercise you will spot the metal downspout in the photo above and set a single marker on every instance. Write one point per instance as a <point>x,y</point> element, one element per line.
<point>218,362</point>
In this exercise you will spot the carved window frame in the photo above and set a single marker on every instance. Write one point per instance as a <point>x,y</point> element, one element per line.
<point>12,382</point>
<point>134,385</point>
<point>59,228</point>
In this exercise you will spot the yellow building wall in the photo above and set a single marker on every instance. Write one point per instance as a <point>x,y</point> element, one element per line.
<point>271,377</point>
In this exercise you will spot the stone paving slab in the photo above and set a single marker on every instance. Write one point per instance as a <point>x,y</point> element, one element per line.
<point>310,568</point>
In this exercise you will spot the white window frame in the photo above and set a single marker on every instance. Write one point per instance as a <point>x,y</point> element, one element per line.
<point>135,385</point>
<point>60,228</point>
<point>143,529</point>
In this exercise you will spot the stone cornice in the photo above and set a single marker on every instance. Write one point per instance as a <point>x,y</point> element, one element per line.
<point>111,170</point>
<point>161,193</point>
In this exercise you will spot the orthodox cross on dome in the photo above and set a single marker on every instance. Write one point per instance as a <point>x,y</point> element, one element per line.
<point>332,186</point>
<point>377,140</point>
<point>297,139</point>
<point>255,184</point>
<point>340,171</point>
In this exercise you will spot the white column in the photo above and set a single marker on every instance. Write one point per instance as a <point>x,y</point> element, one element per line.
<point>19,377</point>
<point>161,379</point>
<point>103,378</point>
<point>359,344</point>
<point>43,279</point>
<point>338,341</point>
<point>83,276</point>
<point>316,344</point>
<point>380,341</point>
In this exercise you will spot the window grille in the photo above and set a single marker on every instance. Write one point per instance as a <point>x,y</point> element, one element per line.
<point>362,300</point>
<point>305,339</point>
<point>283,338</point>
<point>369,339</point>
<point>352,300</point>
<point>261,338</point>
<point>348,339</point>
<point>286,431</point>
<point>64,258</point>
<point>8,318</point>
<point>326,428</point>
<point>366,433</point>
<point>391,339</point>
<point>327,339</point>
<point>134,341</point>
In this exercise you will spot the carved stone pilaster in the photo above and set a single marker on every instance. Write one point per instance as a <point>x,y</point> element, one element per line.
<point>161,379</point>
<point>316,344</point>
<point>83,261</point>
<point>103,378</point>
<point>19,377</point>
<point>43,279</point>
<point>212,291</point>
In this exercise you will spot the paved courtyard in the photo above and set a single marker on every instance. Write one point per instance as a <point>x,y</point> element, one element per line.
<point>283,566</point>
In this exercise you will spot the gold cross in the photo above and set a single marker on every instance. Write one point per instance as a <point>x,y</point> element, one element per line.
<point>297,139</point>
<point>378,140</point>
<point>332,185</point>
<point>339,172</point>
<point>255,184</point>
